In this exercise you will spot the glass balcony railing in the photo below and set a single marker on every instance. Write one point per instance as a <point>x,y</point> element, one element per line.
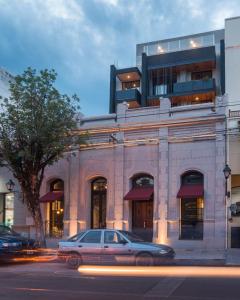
<point>128,95</point>
<point>174,45</point>
<point>194,86</point>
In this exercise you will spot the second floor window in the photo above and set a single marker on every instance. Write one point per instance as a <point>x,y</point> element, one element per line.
<point>204,75</point>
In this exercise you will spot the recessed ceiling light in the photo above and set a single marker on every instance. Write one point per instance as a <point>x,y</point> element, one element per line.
<point>128,76</point>
<point>196,98</point>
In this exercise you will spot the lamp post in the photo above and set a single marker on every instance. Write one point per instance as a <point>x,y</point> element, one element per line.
<point>227,173</point>
<point>10,185</point>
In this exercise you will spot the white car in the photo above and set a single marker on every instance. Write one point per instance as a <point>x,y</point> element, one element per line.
<point>104,246</point>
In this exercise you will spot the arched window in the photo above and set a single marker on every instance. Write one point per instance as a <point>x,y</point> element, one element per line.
<point>98,203</point>
<point>57,185</point>
<point>191,194</point>
<point>142,180</point>
<point>192,177</point>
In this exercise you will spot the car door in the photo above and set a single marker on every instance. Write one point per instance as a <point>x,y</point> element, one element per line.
<point>90,246</point>
<point>115,248</point>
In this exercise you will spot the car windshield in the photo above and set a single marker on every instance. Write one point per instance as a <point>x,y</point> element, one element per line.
<point>7,230</point>
<point>76,237</point>
<point>131,236</point>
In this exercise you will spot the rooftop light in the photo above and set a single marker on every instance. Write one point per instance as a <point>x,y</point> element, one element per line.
<point>193,44</point>
<point>160,49</point>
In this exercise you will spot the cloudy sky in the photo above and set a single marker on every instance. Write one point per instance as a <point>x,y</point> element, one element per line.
<point>80,39</point>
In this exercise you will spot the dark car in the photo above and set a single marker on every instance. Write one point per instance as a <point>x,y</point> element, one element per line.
<point>113,246</point>
<point>7,232</point>
<point>10,248</point>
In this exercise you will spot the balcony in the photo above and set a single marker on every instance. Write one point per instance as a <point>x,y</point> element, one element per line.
<point>194,86</point>
<point>130,95</point>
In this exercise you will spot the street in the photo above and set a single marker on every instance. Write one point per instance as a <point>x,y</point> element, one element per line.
<point>56,281</point>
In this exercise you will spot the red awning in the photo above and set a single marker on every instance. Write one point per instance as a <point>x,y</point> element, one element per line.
<point>191,191</point>
<point>139,193</point>
<point>52,196</point>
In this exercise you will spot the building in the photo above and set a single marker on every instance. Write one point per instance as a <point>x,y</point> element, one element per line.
<point>154,164</point>
<point>12,210</point>
<point>232,72</point>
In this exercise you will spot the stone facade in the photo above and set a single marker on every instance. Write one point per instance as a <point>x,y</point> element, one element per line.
<point>163,142</point>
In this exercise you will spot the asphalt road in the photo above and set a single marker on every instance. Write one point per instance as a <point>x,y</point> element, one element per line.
<point>55,281</point>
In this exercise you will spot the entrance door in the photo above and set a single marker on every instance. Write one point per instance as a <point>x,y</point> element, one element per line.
<point>142,219</point>
<point>235,237</point>
<point>99,203</point>
<point>99,211</point>
<point>56,218</point>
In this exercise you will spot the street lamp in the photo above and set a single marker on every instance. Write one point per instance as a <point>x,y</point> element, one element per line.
<point>227,173</point>
<point>10,185</point>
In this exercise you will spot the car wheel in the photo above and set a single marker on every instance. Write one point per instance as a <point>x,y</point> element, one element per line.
<point>74,260</point>
<point>144,259</point>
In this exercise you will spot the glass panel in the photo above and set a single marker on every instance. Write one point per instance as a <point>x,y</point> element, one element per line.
<point>173,45</point>
<point>130,85</point>
<point>95,211</point>
<point>208,40</point>
<point>99,201</point>
<point>143,181</point>
<point>99,184</point>
<point>192,219</point>
<point>204,75</point>
<point>57,185</point>
<point>92,237</point>
<point>112,237</point>
<point>195,42</point>
<point>160,89</point>
<point>56,218</point>
<point>184,44</point>
<point>161,48</point>
<point>76,237</point>
<point>9,207</point>
<point>192,178</point>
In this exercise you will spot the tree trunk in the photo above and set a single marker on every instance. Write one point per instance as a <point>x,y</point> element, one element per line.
<point>38,221</point>
<point>31,198</point>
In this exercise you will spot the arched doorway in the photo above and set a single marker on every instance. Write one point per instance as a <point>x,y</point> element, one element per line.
<point>56,208</point>
<point>98,203</point>
<point>191,194</point>
<point>142,205</point>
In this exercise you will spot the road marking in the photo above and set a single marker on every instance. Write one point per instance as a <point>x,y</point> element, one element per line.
<point>165,287</point>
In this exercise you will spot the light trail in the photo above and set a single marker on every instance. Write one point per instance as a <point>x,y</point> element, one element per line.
<point>166,271</point>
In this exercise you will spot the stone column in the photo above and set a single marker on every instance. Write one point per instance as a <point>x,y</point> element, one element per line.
<point>220,203</point>
<point>160,206</point>
<point>73,194</point>
<point>118,182</point>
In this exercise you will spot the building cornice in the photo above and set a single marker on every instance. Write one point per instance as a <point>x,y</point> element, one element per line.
<point>125,127</point>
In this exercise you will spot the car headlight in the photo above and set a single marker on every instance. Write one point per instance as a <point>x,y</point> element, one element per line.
<point>10,244</point>
<point>163,251</point>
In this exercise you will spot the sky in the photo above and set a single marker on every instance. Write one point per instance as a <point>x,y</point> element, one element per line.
<point>80,39</point>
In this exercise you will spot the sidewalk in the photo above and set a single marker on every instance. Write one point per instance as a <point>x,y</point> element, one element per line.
<point>233,257</point>
<point>200,257</point>
<point>52,242</point>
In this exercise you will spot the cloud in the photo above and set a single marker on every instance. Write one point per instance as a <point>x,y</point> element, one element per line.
<point>82,38</point>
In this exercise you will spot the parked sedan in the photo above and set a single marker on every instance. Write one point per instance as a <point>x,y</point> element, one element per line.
<point>7,232</point>
<point>112,246</point>
<point>9,249</point>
